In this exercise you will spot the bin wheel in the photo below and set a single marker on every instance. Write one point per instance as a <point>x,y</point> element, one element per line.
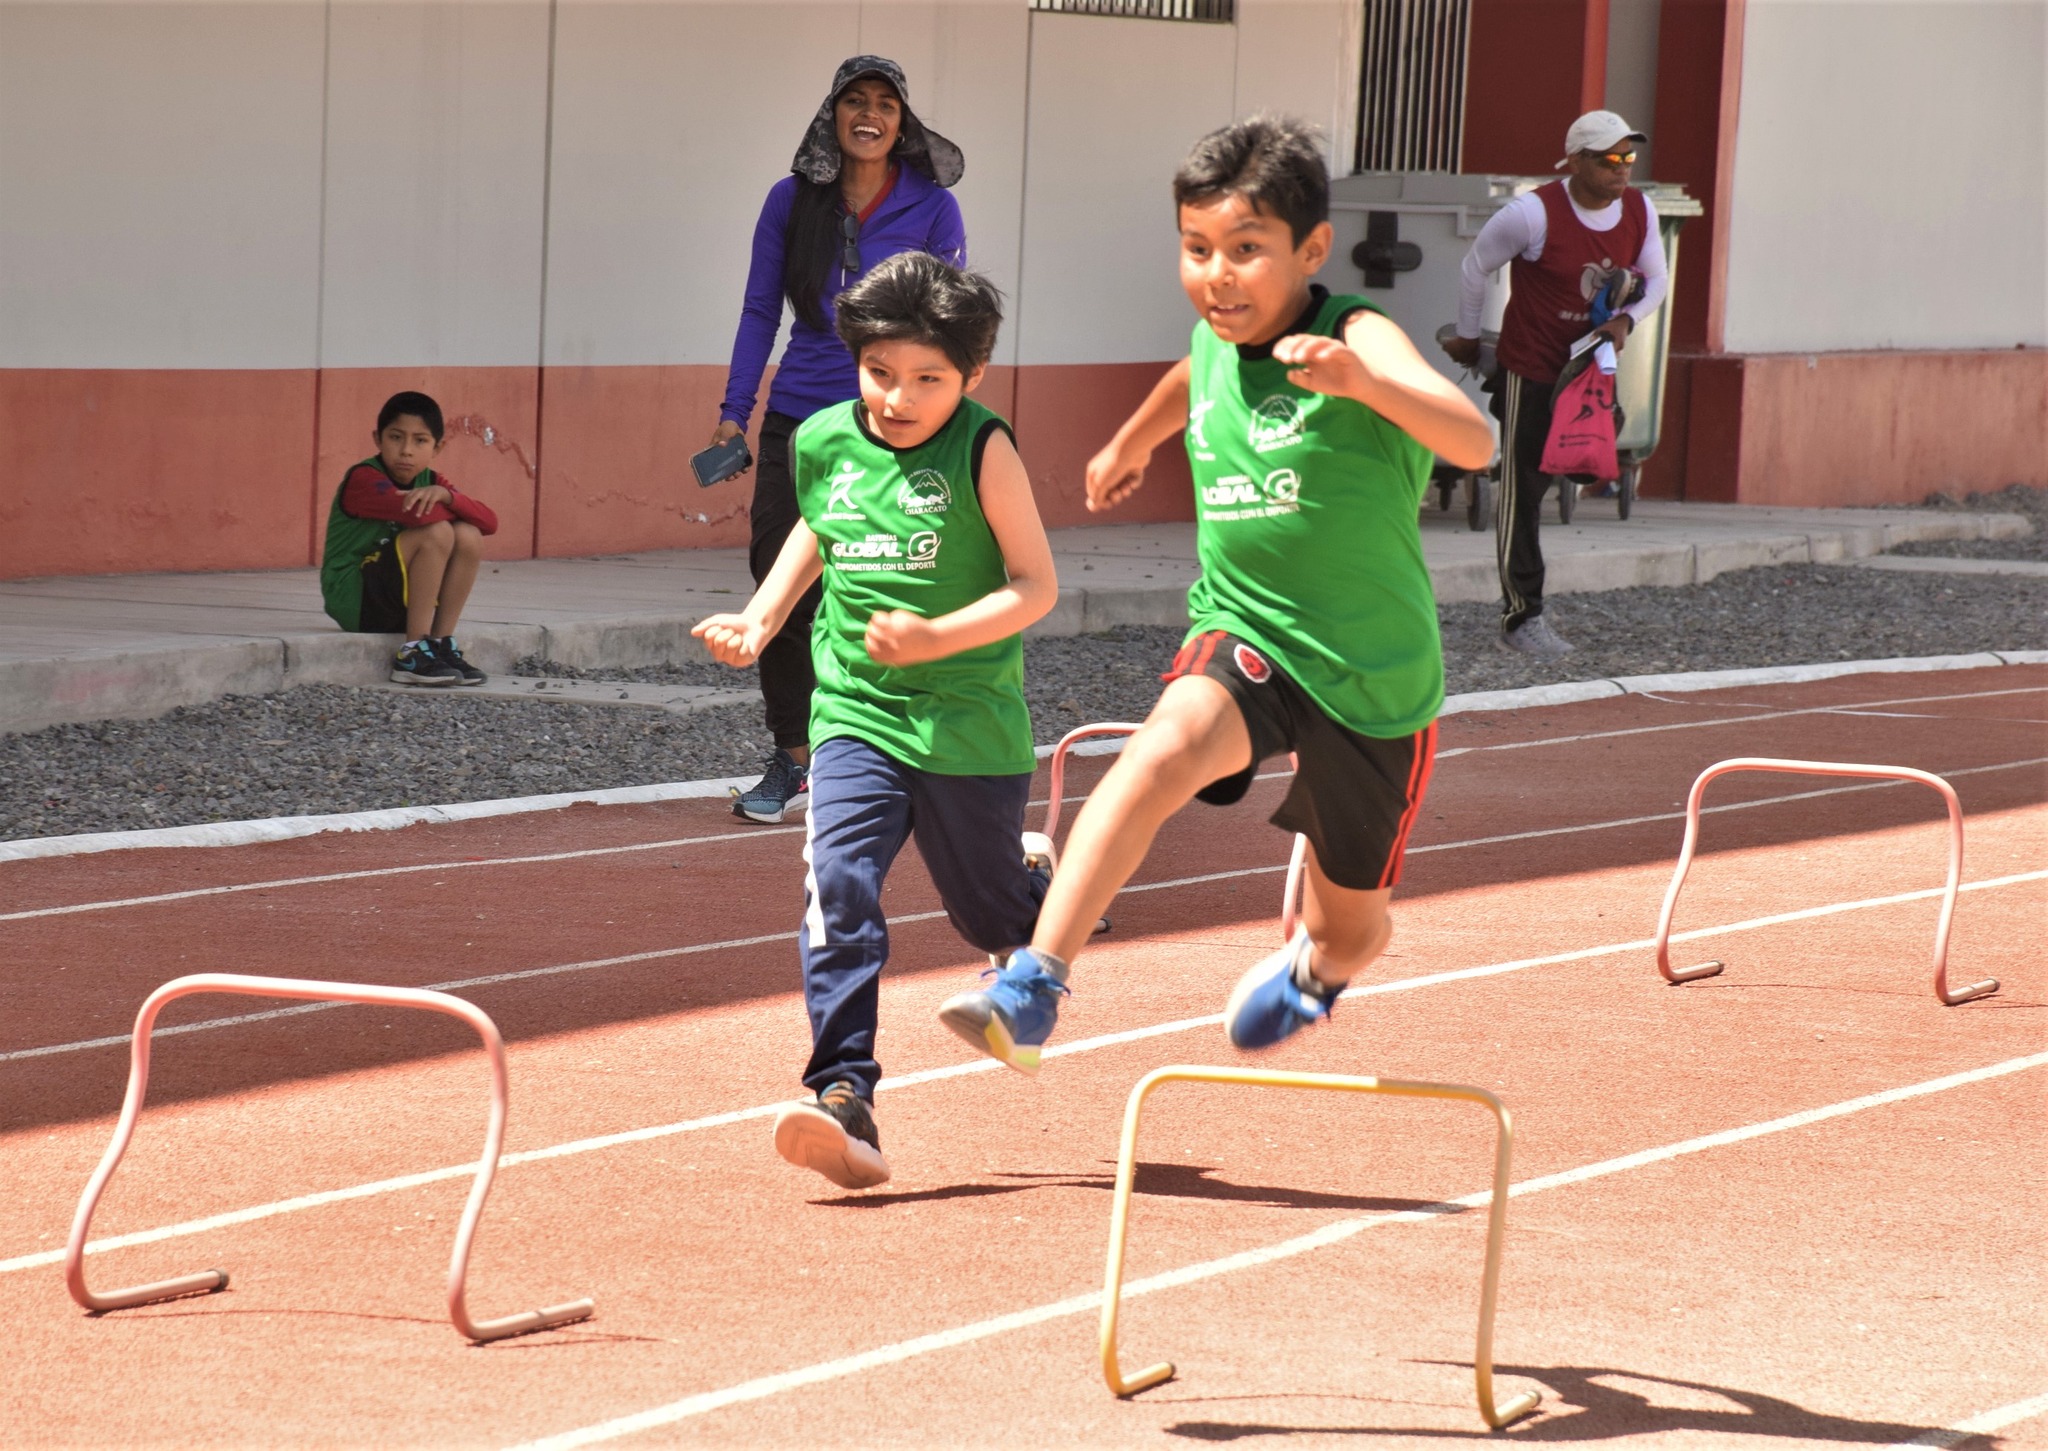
<point>1475,501</point>
<point>1567,498</point>
<point>1625,494</point>
<point>1446,490</point>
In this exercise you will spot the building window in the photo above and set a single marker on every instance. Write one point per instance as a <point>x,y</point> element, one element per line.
<point>1411,98</point>
<point>1215,12</point>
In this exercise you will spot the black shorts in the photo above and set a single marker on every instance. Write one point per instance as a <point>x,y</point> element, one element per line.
<point>1355,797</point>
<point>384,591</point>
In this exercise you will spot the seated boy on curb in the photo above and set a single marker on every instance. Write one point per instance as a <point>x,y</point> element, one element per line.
<point>403,546</point>
<point>918,515</point>
<point>1310,421</point>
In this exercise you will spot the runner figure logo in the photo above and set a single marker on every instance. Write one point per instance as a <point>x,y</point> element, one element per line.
<point>841,485</point>
<point>1252,665</point>
<point>1276,423</point>
<point>925,492</point>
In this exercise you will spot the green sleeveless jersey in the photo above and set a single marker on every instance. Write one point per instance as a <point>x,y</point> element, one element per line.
<point>1306,532</point>
<point>902,529</point>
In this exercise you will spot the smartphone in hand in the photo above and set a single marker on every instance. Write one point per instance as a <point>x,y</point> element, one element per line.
<point>722,461</point>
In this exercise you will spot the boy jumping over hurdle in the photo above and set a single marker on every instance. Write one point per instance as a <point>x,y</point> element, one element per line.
<point>918,514</point>
<point>1310,422</point>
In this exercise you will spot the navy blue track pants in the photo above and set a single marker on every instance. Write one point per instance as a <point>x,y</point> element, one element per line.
<point>864,805</point>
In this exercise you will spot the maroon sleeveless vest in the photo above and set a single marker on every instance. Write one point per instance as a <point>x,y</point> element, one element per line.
<point>1550,299</point>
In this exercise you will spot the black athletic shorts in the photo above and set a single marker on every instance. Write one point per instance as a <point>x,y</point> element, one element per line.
<point>1354,797</point>
<point>383,611</point>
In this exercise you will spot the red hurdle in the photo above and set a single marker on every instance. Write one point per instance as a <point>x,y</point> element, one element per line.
<point>1297,863</point>
<point>208,1281</point>
<point>1823,768</point>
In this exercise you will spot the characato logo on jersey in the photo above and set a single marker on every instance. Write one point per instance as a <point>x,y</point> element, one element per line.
<point>839,492</point>
<point>1276,423</point>
<point>925,492</point>
<point>1252,665</point>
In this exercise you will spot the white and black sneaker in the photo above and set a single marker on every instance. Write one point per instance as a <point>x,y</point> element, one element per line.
<point>834,1135</point>
<point>1535,638</point>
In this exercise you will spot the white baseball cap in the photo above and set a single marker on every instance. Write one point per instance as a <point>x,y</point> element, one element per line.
<point>1596,131</point>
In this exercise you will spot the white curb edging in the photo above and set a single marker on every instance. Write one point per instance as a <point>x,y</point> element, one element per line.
<point>285,828</point>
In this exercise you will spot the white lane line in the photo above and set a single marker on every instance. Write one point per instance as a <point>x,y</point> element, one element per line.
<point>772,1385</point>
<point>576,1147</point>
<point>1984,1424</point>
<point>1767,713</point>
<point>368,872</point>
<point>239,1019</point>
<point>1105,748</point>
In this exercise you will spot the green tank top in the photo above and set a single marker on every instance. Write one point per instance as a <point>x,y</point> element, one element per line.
<point>351,544</point>
<point>1306,532</point>
<point>903,530</point>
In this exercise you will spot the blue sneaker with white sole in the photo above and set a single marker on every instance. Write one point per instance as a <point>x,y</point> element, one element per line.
<point>1011,1018</point>
<point>1269,1003</point>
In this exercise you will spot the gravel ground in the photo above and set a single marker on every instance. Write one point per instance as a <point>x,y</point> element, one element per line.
<point>329,748</point>
<point>2013,499</point>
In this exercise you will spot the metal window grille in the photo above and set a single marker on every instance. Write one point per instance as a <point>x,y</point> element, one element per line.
<point>1411,98</point>
<point>1214,12</point>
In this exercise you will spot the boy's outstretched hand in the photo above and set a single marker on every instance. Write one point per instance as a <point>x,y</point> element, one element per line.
<point>1115,474</point>
<point>898,637</point>
<point>1322,365</point>
<point>734,640</point>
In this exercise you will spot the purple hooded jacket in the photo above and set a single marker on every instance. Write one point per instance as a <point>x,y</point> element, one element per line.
<point>816,370</point>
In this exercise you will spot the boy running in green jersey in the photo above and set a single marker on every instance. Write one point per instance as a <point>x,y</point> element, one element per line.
<point>1310,422</point>
<point>918,515</point>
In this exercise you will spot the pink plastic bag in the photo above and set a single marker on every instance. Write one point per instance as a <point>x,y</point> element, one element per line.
<point>1582,428</point>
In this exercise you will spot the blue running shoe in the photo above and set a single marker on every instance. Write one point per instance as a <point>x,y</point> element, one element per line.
<point>1269,1005</point>
<point>1011,1018</point>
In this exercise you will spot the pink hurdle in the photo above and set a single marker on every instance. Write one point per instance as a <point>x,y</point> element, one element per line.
<point>1823,768</point>
<point>1290,903</point>
<point>209,1281</point>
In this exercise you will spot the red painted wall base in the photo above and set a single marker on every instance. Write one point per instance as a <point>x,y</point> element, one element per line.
<point>1826,429</point>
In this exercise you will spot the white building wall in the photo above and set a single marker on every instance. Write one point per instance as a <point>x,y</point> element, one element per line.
<point>159,184</point>
<point>436,139</point>
<point>671,122</point>
<point>1114,104</point>
<point>1891,177</point>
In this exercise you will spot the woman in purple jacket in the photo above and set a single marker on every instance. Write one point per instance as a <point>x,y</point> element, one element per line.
<point>868,182</point>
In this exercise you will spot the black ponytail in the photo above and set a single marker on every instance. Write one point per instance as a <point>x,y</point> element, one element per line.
<point>810,249</point>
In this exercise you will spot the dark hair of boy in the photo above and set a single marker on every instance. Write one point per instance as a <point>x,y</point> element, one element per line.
<point>1274,162</point>
<point>416,405</point>
<point>914,297</point>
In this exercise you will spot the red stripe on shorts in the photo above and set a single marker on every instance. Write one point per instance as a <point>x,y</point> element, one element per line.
<point>1193,657</point>
<point>1418,786</point>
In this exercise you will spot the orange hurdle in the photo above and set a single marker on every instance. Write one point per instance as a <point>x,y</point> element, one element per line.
<point>1297,863</point>
<point>209,1281</point>
<point>1823,768</point>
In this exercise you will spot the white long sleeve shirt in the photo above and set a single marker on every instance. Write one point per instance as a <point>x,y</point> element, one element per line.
<point>1519,230</point>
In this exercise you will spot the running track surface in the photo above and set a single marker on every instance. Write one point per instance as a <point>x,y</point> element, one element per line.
<point>1868,1274</point>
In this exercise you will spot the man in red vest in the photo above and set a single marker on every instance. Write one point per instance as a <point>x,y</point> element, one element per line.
<point>1561,243</point>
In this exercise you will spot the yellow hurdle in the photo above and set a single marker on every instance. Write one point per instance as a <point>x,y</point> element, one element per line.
<point>1496,1215</point>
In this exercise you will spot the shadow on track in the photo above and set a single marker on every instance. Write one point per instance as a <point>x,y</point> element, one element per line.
<point>1582,1405</point>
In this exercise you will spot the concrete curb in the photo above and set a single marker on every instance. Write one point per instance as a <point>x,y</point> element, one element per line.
<point>284,828</point>
<point>147,682</point>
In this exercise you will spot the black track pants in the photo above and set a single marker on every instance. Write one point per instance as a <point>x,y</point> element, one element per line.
<point>787,678</point>
<point>1523,409</point>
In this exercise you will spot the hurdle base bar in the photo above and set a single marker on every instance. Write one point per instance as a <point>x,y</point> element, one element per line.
<point>1495,1414</point>
<point>206,1282</point>
<point>528,1321</point>
<point>213,1281</point>
<point>1949,998</point>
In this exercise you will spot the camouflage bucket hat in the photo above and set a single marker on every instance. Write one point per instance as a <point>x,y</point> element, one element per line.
<point>817,159</point>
